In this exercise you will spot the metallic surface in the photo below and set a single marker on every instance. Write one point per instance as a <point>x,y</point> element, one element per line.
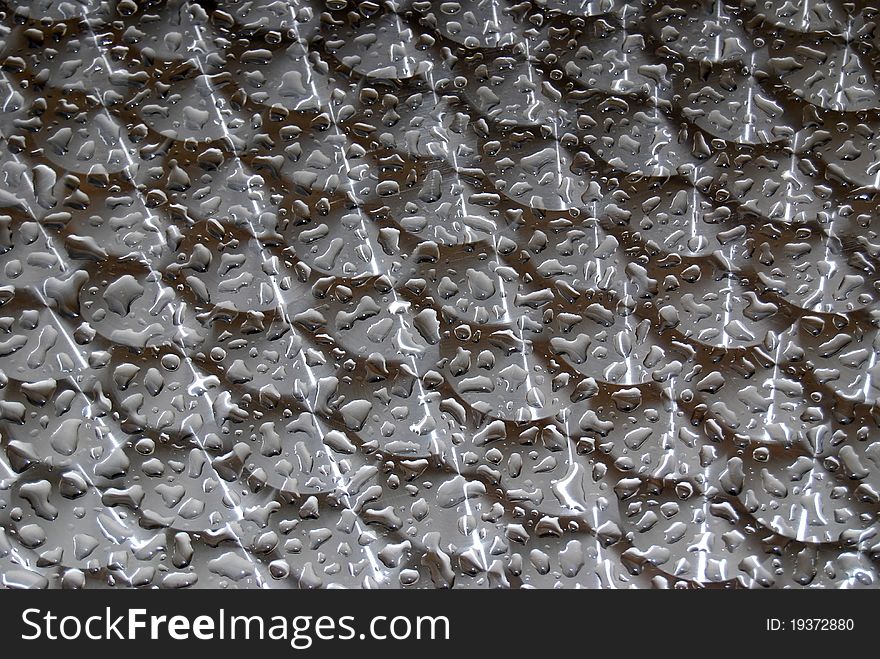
<point>479,294</point>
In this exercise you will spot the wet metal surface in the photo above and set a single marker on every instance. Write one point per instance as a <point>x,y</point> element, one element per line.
<point>553,294</point>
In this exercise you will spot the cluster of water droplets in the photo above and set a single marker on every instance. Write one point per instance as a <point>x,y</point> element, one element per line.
<point>325,293</point>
